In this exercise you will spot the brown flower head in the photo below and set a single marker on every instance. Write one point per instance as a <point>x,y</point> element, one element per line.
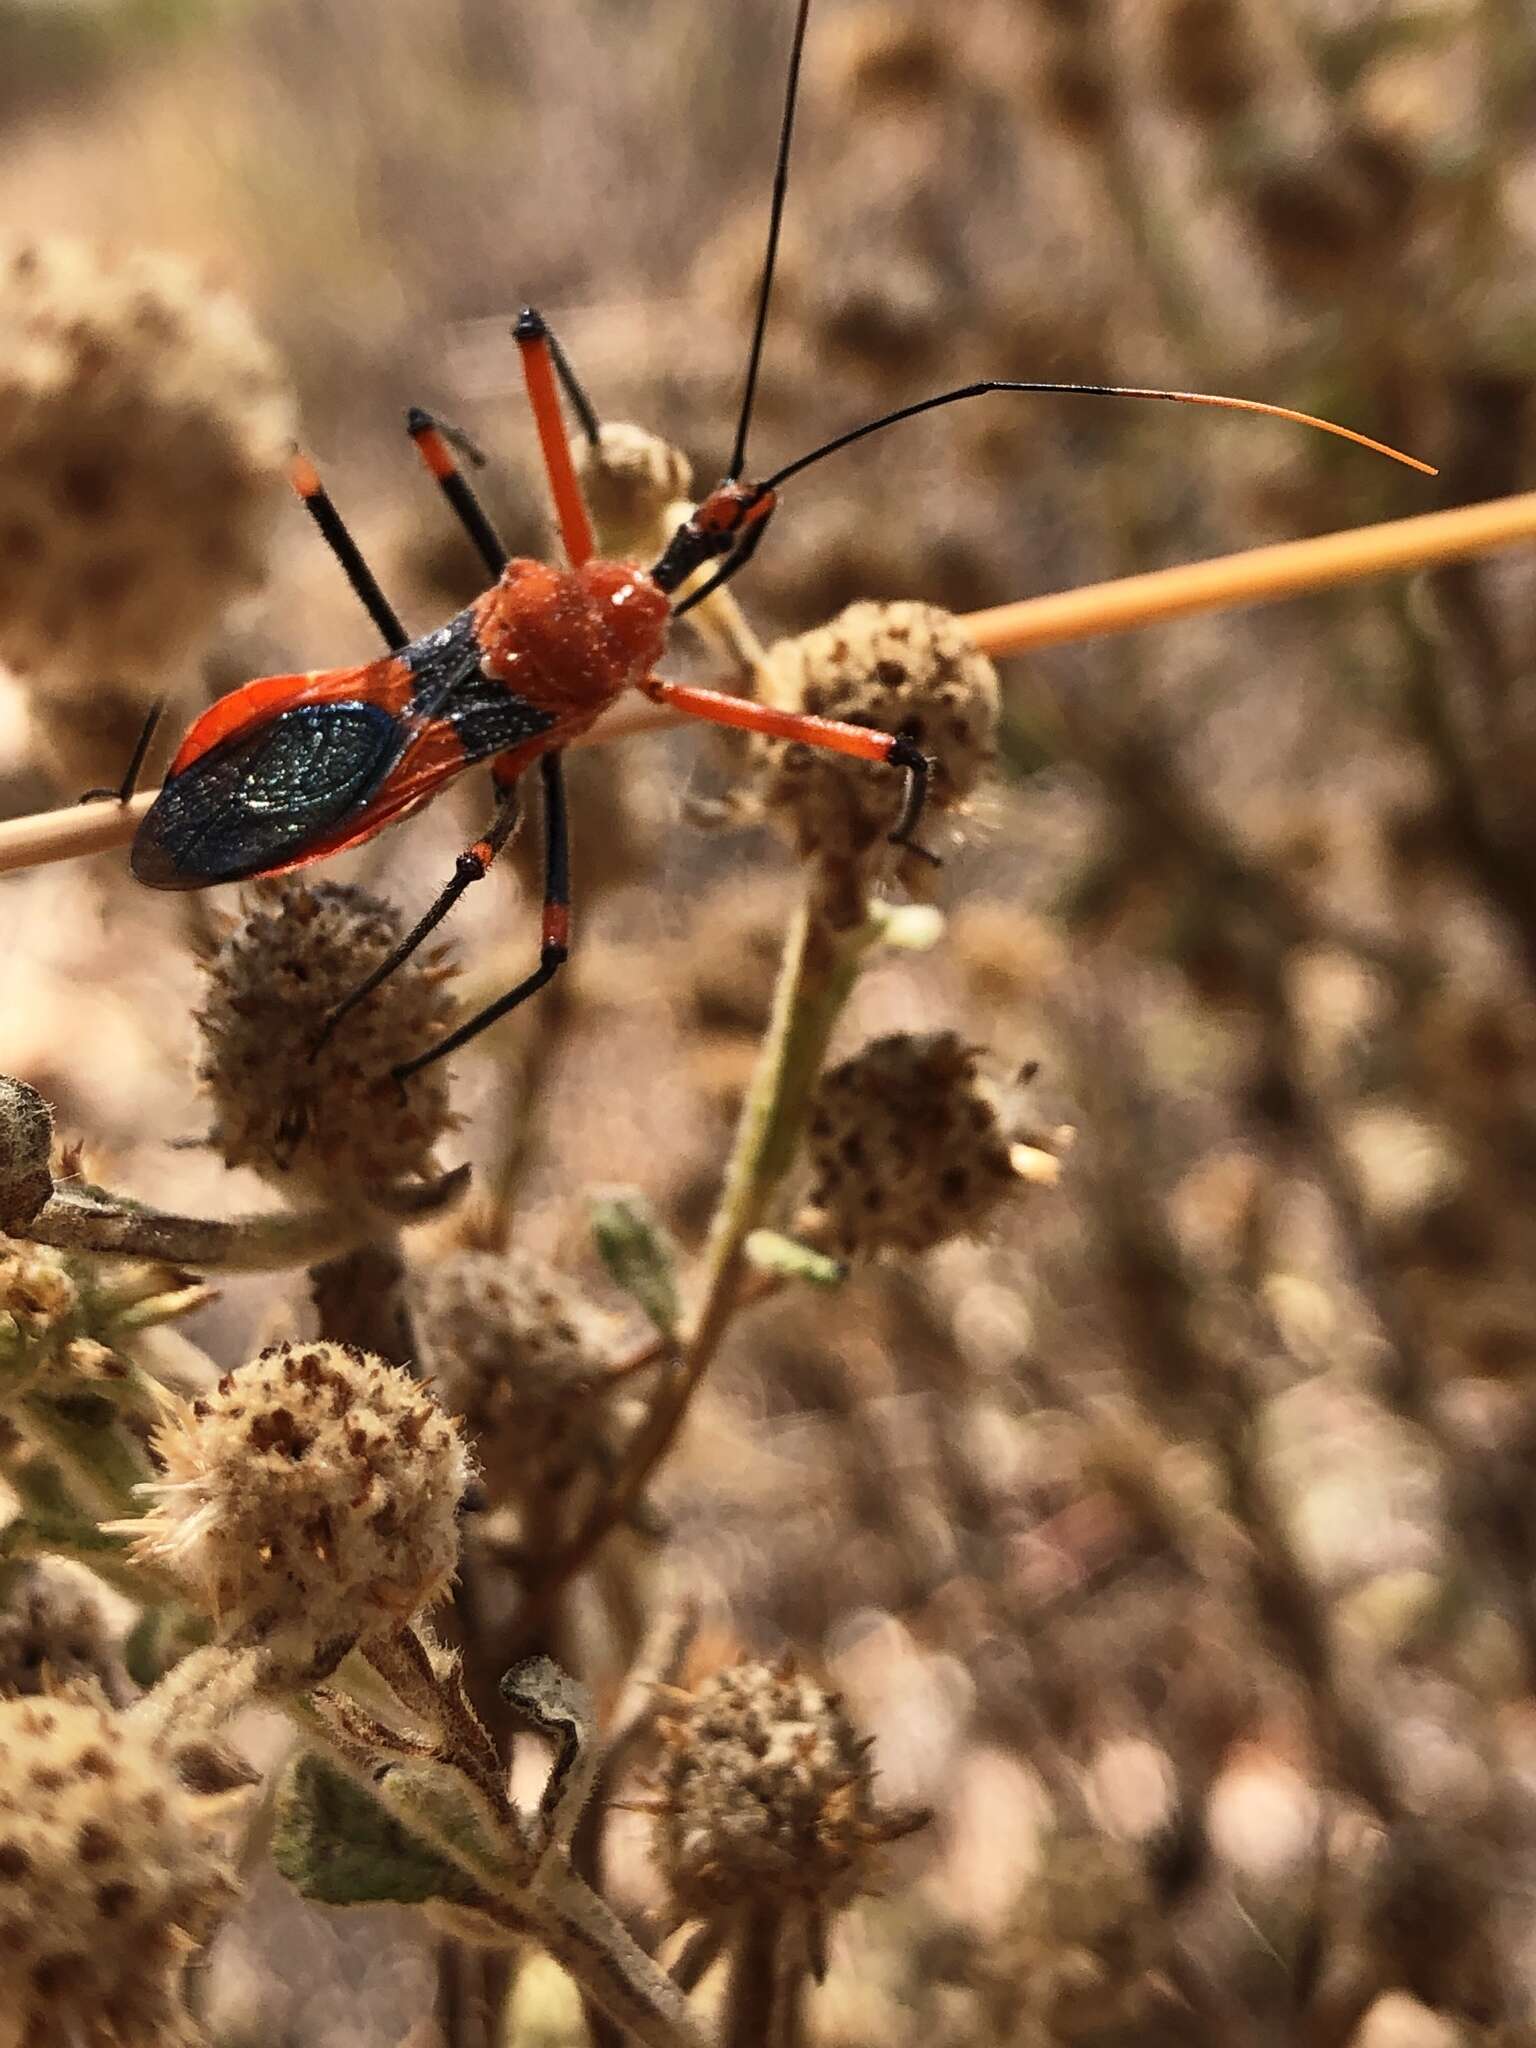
<point>309,1503</point>
<point>143,427</point>
<point>902,668</point>
<point>766,1795</point>
<point>911,1144</point>
<point>111,1874</point>
<point>331,1118</point>
<point>517,1350</point>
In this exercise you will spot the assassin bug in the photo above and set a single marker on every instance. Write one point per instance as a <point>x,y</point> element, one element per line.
<point>289,769</point>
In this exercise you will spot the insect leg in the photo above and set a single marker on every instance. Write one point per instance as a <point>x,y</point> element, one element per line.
<point>864,743</point>
<point>432,445</point>
<point>473,863</point>
<point>305,479</point>
<point>129,783</point>
<point>539,373</point>
<point>556,929</point>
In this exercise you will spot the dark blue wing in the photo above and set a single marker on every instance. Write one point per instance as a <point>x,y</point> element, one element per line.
<point>257,799</point>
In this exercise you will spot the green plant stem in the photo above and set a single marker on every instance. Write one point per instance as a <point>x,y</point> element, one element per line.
<point>816,976</point>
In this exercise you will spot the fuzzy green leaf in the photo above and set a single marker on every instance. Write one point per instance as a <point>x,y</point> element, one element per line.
<point>336,1846</point>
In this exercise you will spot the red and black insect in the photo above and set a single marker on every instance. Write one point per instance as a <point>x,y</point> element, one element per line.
<point>289,769</point>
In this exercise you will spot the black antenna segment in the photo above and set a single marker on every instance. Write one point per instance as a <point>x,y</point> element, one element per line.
<point>775,222</point>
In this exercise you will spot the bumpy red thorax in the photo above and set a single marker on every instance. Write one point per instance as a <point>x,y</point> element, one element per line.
<point>571,640</point>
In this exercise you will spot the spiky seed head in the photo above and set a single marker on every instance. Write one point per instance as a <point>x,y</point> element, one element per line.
<point>518,1351</point>
<point>902,668</point>
<point>331,1119</point>
<point>143,428</point>
<point>910,1144</point>
<point>766,1795</point>
<point>632,480</point>
<point>309,1503</point>
<point>26,1149</point>
<point>54,1629</point>
<point>111,1874</point>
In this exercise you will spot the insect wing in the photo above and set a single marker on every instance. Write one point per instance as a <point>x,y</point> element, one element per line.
<point>267,795</point>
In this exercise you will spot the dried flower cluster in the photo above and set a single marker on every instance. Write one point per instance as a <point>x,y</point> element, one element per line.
<point>309,1503</point>
<point>910,1143</point>
<point>311,1115</point>
<point>129,392</point>
<point>111,1875</point>
<point>904,668</point>
<point>766,1795</point>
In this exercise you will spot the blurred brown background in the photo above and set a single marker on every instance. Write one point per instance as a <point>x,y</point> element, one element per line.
<point>1194,1504</point>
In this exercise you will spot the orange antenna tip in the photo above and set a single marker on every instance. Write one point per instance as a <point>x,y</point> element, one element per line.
<point>303,475</point>
<point>1286,412</point>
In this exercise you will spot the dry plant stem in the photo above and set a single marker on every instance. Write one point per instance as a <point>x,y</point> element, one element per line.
<point>751,1997</point>
<point>91,1220</point>
<point>1254,576</point>
<point>816,975</point>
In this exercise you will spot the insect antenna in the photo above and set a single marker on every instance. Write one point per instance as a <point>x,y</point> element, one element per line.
<point>979,390</point>
<point>771,255</point>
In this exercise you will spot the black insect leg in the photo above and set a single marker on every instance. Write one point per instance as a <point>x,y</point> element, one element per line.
<point>337,537</point>
<point>435,441</point>
<point>555,949</point>
<point>472,864</point>
<point>130,781</point>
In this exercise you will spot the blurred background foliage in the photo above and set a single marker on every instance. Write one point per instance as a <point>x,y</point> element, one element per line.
<point>1192,1508</point>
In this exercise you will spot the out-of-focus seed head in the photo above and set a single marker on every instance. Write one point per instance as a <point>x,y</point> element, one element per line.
<point>111,1874</point>
<point>333,1119</point>
<point>903,668</point>
<point>766,1795</point>
<point>1206,57</point>
<point>26,1148</point>
<point>911,1144</point>
<point>143,427</point>
<point>517,1350</point>
<point>54,1629</point>
<point>1085,1943</point>
<point>887,55</point>
<point>309,1503</point>
<point>632,479</point>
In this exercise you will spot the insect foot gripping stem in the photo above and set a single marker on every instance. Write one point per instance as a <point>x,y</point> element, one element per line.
<point>907,754</point>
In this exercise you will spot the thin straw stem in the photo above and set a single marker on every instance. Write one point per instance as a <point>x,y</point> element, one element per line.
<point>1126,605</point>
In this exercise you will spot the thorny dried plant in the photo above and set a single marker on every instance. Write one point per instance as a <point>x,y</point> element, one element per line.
<point>1158,1505</point>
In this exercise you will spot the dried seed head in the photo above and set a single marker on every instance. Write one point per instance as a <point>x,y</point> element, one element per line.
<point>143,427</point>
<point>766,1793</point>
<point>111,1873</point>
<point>632,479</point>
<point>65,1320</point>
<point>332,1119</point>
<point>309,1503</point>
<point>54,1629</point>
<point>26,1148</point>
<point>517,1350</point>
<point>902,668</point>
<point>909,1145</point>
<point>1085,1943</point>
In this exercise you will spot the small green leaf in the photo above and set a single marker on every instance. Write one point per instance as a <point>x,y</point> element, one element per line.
<point>337,1846</point>
<point>785,1257</point>
<point>635,1246</point>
